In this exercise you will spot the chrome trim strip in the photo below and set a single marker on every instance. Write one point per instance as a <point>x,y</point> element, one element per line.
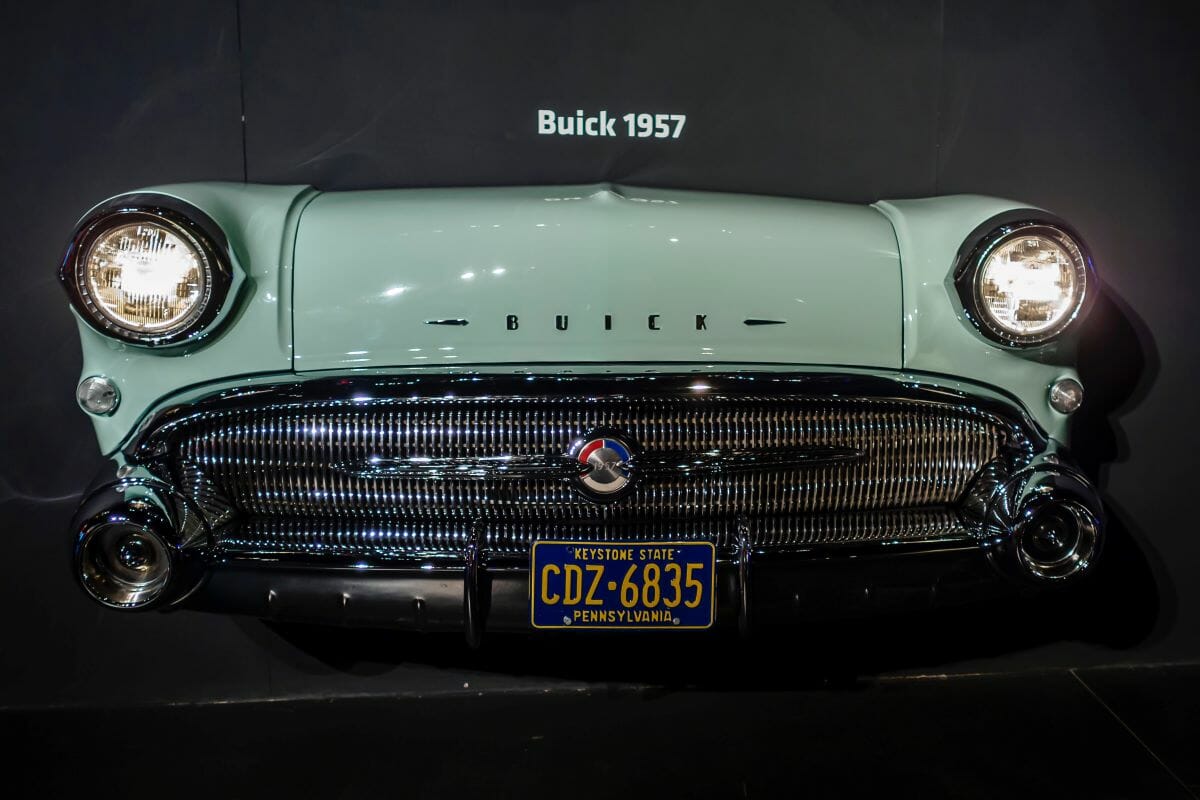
<point>563,466</point>
<point>512,390</point>
<point>456,468</point>
<point>729,460</point>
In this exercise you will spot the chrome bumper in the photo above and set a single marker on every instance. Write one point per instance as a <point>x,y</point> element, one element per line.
<point>772,589</point>
<point>476,591</point>
<point>144,541</point>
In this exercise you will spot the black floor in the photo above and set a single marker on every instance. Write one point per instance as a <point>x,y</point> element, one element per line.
<point>1098,733</point>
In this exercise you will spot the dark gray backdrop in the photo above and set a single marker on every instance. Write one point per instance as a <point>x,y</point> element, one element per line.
<point>1088,109</point>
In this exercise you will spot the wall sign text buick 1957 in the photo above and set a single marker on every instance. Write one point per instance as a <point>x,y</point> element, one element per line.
<point>574,407</point>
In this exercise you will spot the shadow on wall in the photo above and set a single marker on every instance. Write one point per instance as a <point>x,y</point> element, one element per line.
<point>1131,596</point>
<point>1122,604</point>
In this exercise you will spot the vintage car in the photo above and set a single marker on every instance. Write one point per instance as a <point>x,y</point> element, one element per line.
<point>575,407</point>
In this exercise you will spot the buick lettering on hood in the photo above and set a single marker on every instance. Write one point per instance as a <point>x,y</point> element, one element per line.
<point>582,407</point>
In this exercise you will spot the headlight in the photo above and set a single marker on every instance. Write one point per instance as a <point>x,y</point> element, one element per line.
<point>146,275</point>
<point>1025,283</point>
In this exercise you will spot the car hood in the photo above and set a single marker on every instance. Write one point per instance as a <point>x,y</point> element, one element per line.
<point>591,274</point>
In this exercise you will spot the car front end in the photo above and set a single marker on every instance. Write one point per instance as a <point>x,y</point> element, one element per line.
<point>579,407</point>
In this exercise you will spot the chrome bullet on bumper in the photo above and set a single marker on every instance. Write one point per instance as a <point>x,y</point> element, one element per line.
<point>129,552</point>
<point>1045,523</point>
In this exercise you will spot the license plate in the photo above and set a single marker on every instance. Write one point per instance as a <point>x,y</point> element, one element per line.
<point>622,585</point>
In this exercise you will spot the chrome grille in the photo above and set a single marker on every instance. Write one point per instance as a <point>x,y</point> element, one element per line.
<point>284,536</point>
<point>280,460</point>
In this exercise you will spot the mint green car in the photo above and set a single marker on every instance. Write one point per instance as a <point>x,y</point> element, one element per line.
<point>575,406</point>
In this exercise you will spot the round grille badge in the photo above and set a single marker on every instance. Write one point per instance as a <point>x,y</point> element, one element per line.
<point>605,461</point>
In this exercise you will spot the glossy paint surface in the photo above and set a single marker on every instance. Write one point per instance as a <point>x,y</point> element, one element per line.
<point>627,272</point>
<point>373,267</point>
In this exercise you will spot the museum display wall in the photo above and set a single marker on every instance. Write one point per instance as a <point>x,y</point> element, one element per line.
<point>1085,110</point>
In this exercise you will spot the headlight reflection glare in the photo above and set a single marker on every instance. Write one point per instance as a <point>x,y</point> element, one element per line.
<point>146,278</point>
<point>1028,283</point>
<point>148,274</point>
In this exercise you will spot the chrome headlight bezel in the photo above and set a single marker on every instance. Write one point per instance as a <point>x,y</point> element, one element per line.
<point>192,226</point>
<point>970,268</point>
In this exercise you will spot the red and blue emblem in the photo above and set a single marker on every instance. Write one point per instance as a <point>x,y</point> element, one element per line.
<point>606,464</point>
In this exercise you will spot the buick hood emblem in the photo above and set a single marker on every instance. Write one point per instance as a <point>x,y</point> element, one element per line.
<point>605,462</point>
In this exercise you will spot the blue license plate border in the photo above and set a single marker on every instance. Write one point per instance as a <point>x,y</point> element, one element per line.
<point>709,583</point>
